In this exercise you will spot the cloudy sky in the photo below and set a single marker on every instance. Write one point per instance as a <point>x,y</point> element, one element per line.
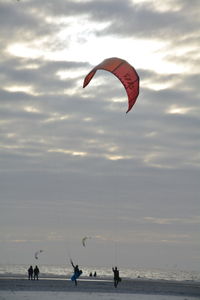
<point>72,162</point>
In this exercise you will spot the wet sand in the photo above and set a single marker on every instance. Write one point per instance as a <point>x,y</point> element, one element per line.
<point>137,286</point>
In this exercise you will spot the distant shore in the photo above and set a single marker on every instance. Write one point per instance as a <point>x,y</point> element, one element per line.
<point>132,286</point>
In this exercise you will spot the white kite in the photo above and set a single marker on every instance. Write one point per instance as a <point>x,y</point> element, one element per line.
<point>84,240</point>
<point>38,252</point>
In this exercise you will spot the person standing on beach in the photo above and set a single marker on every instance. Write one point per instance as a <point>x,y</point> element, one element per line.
<point>117,279</point>
<point>36,272</point>
<point>76,272</point>
<point>30,273</point>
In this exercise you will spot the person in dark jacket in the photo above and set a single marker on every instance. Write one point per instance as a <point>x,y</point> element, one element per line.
<point>76,271</point>
<point>117,279</point>
<point>30,273</point>
<point>36,272</point>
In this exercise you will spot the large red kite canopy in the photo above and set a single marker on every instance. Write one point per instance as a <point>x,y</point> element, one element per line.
<point>126,74</point>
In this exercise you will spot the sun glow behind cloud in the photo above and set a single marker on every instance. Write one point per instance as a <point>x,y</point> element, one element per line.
<point>19,88</point>
<point>68,152</point>
<point>31,109</point>
<point>160,6</point>
<point>174,109</point>
<point>82,44</point>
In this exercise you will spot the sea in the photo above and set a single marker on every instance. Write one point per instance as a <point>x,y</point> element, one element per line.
<point>65,272</point>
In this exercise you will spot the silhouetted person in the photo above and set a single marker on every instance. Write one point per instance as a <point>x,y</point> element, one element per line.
<point>116,276</point>
<point>95,274</point>
<point>30,273</point>
<point>90,274</point>
<point>36,272</point>
<point>76,271</point>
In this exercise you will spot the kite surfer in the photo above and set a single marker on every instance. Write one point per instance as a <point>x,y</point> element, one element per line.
<point>117,279</point>
<point>77,272</point>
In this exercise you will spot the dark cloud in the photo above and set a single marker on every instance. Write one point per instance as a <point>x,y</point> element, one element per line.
<point>43,78</point>
<point>144,20</point>
<point>21,24</point>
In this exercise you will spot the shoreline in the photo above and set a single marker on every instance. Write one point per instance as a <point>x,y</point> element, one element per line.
<point>127,286</point>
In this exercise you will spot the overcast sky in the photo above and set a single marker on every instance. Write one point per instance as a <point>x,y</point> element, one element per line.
<point>72,162</point>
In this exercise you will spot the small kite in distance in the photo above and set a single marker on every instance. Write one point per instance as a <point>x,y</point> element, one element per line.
<point>37,253</point>
<point>84,240</point>
<point>124,72</point>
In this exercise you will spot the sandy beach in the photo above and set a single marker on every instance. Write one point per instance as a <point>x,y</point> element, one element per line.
<point>15,288</point>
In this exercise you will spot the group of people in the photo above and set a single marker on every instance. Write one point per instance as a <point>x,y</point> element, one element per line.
<point>33,274</point>
<point>95,274</point>
<point>78,272</point>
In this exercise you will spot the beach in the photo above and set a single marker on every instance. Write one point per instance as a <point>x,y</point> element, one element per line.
<point>18,288</point>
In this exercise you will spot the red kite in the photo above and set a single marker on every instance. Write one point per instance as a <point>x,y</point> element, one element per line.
<point>122,70</point>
